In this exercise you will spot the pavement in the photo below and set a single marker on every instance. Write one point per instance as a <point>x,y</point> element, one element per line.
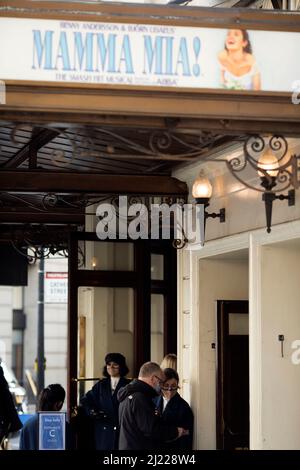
<point>13,441</point>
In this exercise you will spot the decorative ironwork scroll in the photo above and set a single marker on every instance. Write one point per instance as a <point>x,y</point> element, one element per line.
<point>250,172</point>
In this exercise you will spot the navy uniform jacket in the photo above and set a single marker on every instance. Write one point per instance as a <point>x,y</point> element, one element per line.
<point>177,413</point>
<point>29,434</point>
<point>102,406</point>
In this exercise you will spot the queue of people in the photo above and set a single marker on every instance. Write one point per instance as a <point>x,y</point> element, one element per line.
<point>146,413</point>
<point>142,414</point>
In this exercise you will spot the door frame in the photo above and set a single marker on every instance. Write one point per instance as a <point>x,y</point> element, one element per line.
<point>140,281</point>
<point>222,330</point>
<point>190,275</point>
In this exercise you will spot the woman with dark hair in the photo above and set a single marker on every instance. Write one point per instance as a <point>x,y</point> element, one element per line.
<point>175,411</point>
<point>239,70</point>
<point>51,398</point>
<point>101,403</point>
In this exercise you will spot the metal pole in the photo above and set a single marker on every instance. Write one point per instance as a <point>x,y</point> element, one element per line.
<point>40,345</point>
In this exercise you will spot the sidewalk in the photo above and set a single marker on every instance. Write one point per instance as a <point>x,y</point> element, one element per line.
<point>13,441</point>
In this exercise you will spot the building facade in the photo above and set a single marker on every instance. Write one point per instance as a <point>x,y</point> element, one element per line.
<point>75,138</point>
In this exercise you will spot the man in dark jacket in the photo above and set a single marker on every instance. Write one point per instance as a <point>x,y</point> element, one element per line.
<point>140,426</point>
<point>9,419</point>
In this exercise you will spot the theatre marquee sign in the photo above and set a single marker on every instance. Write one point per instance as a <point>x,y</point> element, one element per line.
<point>148,55</point>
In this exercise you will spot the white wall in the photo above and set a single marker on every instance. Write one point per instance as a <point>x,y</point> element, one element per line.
<point>219,279</point>
<point>184,324</point>
<point>202,280</point>
<point>280,315</point>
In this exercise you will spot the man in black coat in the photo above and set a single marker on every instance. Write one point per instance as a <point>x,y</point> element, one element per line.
<point>9,419</point>
<point>140,426</point>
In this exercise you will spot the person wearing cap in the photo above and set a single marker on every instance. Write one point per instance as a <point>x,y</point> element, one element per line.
<point>101,403</point>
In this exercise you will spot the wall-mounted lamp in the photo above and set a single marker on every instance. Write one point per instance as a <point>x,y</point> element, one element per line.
<point>277,170</point>
<point>94,262</point>
<point>268,169</point>
<point>202,191</point>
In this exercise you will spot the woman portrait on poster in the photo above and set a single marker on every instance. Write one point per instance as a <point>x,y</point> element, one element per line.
<point>239,70</point>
